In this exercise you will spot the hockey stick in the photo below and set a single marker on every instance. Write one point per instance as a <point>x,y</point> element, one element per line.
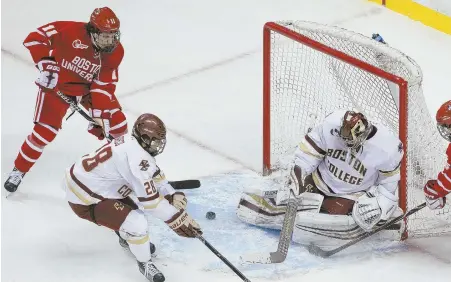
<point>221,257</point>
<point>315,250</point>
<point>185,184</point>
<point>284,240</point>
<point>75,107</point>
<point>177,185</point>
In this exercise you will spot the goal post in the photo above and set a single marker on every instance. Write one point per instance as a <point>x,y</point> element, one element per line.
<point>310,69</point>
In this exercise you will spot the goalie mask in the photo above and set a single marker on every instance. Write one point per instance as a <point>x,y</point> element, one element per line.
<point>150,132</point>
<point>444,120</point>
<point>103,28</point>
<point>354,130</point>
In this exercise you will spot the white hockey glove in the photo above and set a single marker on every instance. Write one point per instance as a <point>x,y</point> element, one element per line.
<point>48,78</point>
<point>375,205</point>
<point>178,200</point>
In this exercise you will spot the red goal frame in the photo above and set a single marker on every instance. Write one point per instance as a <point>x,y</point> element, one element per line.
<point>403,98</point>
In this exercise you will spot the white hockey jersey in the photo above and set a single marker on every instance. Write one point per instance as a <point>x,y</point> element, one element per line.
<point>116,170</point>
<point>338,171</point>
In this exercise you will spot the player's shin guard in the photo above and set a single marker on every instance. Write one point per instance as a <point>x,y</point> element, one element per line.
<point>126,247</point>
<point>135,231</point>
<point>29,153</point>
<point>33,146</point>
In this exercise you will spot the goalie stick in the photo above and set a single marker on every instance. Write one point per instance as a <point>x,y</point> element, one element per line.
<point>284,240</point>
<point>177,185</point>
<point>315,250</point>
<point>287,226</point>
<point>221,257</point>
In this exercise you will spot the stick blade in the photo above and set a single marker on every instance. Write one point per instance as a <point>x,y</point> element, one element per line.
<point>317,251</point>
<point>278,257</point>
<point>264,258</point>
<point>185,184</point>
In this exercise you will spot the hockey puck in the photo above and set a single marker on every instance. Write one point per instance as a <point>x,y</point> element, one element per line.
<point>210,215</point>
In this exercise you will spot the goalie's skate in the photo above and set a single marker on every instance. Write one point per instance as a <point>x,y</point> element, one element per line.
<point>150,271</point>
<point>13,181</point>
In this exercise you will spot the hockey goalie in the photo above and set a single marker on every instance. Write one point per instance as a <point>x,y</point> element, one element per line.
<point>344,177</point>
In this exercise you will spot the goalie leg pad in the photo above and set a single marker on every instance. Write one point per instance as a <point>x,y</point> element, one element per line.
<point>325,230</point>
<point>330,231</point>
<point>260,211</point>
<point>264,212</point>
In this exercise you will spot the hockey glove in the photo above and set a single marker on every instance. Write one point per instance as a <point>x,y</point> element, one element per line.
<point>296,181</point>
<point>178,200</point>
<point>434,199</point>
<point>48,78</point>
<point>96,130</point>
<point>184,225</point>
<point>102,126</point>
<point>375,205</point>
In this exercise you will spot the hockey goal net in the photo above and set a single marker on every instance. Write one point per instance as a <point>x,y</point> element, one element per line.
<point>311,70</point>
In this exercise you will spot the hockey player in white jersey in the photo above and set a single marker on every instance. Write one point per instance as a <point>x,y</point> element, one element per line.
<point>345,172</point>
<point>98,187</point>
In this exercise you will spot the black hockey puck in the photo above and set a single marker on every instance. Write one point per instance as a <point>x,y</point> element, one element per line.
<point>210,215</point>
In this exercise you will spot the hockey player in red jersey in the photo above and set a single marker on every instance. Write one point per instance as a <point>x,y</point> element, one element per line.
<point>80,60</point>
<point>436,190</point>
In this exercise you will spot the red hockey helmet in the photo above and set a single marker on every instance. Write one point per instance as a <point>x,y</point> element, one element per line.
<point>104,29</point>
<point>443,118</point>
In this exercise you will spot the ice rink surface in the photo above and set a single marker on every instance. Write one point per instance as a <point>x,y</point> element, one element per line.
<point>198,65</point>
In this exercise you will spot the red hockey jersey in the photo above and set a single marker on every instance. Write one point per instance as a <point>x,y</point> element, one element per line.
<point>83,69</point>
<point>443,185</point>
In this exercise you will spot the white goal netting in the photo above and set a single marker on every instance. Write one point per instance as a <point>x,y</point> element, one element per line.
<point>306,85</point>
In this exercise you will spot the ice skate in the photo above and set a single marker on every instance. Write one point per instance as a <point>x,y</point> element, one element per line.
<point>150,271</point>
<point>14,180</point>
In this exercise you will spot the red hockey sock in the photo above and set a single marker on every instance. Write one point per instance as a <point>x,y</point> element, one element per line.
<point>33,146</point>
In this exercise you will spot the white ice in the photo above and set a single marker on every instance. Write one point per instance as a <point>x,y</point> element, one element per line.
<point>198,65</point>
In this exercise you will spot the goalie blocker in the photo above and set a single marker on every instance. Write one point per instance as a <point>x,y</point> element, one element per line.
<point>345,177</point>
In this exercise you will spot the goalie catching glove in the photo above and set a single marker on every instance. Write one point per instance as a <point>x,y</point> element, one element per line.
<point>184,225</point>
<point>375,205</point>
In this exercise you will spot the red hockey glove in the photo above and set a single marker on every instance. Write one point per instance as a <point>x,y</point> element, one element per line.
<point>434,199</point>
<point>96,130</point>
<point>102,126</point>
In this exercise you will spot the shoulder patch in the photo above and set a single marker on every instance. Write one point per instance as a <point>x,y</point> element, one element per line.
<point>144,165</point>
